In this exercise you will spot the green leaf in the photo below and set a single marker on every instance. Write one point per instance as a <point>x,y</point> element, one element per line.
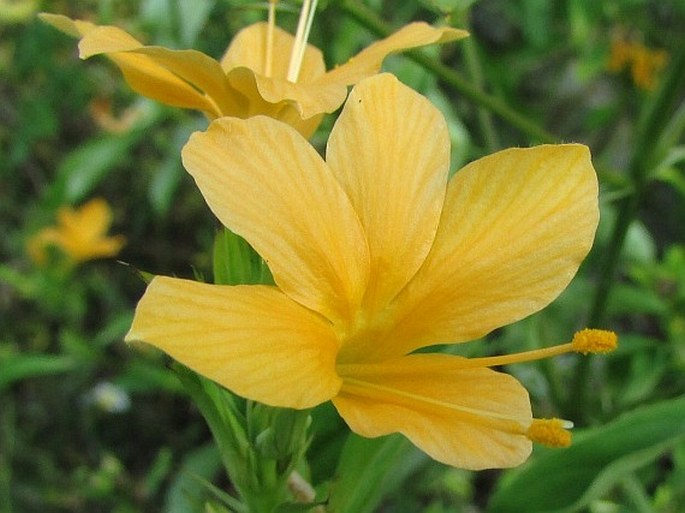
<point>18,367</point>
<point>84,168</point>
<point>184,494</point>
<point>298,507</point>
<point>235,262</point>
<point>167,176</point>
<point>193,16</point>
<point>368,470</point>
<point>565,480</point>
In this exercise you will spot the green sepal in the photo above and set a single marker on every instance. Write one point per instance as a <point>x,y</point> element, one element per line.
<point>235,262</point>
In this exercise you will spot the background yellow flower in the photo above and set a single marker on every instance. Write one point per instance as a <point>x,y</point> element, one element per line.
<point>80,234</point>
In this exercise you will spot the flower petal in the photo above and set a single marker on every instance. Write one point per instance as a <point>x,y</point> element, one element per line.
<point>368,62</point>
<point>143,74</point>
<point>299,105</point>
<point>90,220</point>
<point>193,69</point>
<point>248,49</point>
<point>390,150</point>
<point>73,28</point>
<point>267,184</point>
<point>252,339</point>
<point>516,226</point>
<point>472,418</point>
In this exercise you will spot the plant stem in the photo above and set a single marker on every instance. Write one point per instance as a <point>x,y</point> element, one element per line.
<point>473,64</point>
<point>653,120</point>
<point>635,491</point>
<point>369,19</point>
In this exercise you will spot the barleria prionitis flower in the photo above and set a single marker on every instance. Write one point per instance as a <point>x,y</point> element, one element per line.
<point>80,234</point>
<point>375,255</point>
<point>265,70</point>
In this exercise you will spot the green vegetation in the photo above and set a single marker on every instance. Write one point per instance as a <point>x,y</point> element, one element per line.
<point>89,424</point>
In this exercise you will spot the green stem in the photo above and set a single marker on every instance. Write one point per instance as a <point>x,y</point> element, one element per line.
<point>7,427</point>
<point>473,65</point>
<point>635,491</point>
<point>369,19</point>
<point>653,120</point>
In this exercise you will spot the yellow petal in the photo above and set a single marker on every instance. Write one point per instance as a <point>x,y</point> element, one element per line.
<point>267,184</point>
<point>472,418</point>
<point>516,225</point>
<point>143,74</point>
<point>251,339</point>
<point>187,69</point>
<point>90,220</point>
<point>73,28</point>
<point>298,104</point>
<point>101,247</point>
<point>283,100</point>
<point>390,150</point>
<point>248,49</point>
<point>368,62</point>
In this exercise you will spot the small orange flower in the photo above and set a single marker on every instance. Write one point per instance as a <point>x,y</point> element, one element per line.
<point>644,63</point>
<point>80,234</point>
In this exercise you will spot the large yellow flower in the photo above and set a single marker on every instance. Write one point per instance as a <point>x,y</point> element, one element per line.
<point>376,255</point>
<point>254,76</point>
<point>81,234</point>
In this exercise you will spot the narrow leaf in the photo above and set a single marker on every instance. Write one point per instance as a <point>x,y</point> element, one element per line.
<point>564,480</point>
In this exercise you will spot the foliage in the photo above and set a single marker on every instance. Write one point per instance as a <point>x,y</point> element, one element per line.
<point>89,424</point>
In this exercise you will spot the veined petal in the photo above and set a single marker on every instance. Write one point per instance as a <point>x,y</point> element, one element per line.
<point>146,77</point>
<point>368,62</point>
<point>471,418</point>
<point>267,91</point>
<point>248,49</point>
<point>191,67</point>
<point>390,150</point>
<point>515,227</point>
<point>143,74</point>
<point>73,28</point>
<point>272,94</point>
<point>267,184</point>
<point>252,339</point>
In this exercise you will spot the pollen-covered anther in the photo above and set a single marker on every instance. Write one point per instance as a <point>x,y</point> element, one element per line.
<point>594,341</point>
<point>550,432</point>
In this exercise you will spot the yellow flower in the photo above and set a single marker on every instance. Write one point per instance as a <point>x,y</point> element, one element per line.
<point>375,255</point>
<point>254,77</point>
<point>81,234</point>
<point>644,63</point>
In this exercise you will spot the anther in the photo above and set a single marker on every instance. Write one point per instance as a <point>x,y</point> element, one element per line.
<point>550,432</point>
<point>594,341</point>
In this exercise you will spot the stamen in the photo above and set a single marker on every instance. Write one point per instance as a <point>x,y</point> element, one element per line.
<point>585,341</point>
<point>549,432</point>
<point>594,341</point>
<point>271,23</point>
<point>304,25</point>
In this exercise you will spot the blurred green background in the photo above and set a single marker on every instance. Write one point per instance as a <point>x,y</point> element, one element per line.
<point>88,424</point>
